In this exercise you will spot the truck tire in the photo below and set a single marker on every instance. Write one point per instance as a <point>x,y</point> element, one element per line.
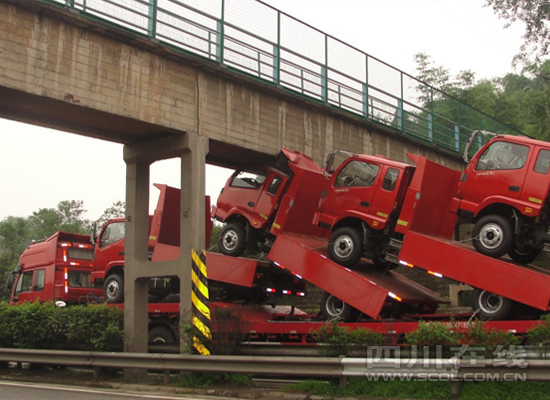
<point>526,257</point>
<point>493,235</point>
<point>490,305</point>
<point>113,289</point>
<point>232,240</point>
<point>161,335</point>
<point>334,309</point>
<point>346,246</point>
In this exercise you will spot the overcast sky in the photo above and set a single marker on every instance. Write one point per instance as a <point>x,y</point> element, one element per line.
<point>41,167</point>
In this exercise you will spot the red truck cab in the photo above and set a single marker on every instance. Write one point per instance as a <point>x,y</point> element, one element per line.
<point>504,192</point>
<point>360,206</point>
<point>59,268</point>
<point>250,203</point>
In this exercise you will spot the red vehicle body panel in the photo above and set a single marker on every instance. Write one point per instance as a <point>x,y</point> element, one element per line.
<point>482,187</point>
<point>365,288</point>
<point>57,269</point>
<point>372,202</point>
<point>268,211</point>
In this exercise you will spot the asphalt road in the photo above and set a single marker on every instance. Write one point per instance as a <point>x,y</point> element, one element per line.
<point>34,391</point>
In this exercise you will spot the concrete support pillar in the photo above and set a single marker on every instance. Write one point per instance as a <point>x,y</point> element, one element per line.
<point>135,255</point>
<point>192,149</point>
<point>192,233</point>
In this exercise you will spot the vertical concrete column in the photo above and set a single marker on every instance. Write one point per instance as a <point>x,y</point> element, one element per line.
<point>193,213</point>
<point>135,256</point>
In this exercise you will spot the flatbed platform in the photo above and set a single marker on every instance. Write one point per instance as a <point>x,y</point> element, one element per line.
<point>364,287</point>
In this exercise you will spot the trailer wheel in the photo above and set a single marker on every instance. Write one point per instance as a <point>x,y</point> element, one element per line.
<point>113,289</point>
<point>161,335</point>
<point>345,246</point>
<point>333,308</point>
<point>493,235</point>
<point>524,257</point>
<point>232,239</point>
<point>490,305</point>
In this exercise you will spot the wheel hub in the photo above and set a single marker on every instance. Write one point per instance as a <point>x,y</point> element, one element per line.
<point>230,240</point>
<point>490,302</point>
<point>112,290</point>
<point>491,236</point>
<point>343,246</point>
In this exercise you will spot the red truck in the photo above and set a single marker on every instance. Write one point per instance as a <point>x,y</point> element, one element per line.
<point>252,203</point>
<point>58,268</point>
<point>389,212</point>
<point>504,191</point>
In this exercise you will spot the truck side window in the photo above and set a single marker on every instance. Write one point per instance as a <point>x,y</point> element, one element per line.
<point>248,180</point>
<point>503,155</point>
<point>390,179</point>
<point>543,162</point>
<point>24,284</point>
<point>112,233</point>
<point>274,185</point>
<point>357,173</point>
<point>39,279</point>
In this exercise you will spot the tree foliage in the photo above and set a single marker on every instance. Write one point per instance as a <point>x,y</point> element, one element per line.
<point>536,16</point>
<point>521,101</point>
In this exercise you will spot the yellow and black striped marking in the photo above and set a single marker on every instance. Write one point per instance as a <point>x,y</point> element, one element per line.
<point>199,297</point>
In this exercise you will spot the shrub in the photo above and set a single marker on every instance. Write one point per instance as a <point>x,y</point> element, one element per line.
<point>44,326</point>
<point>335,340</point>
<point>540,334</point>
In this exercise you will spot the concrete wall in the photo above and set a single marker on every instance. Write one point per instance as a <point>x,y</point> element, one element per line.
<point>66,72</point>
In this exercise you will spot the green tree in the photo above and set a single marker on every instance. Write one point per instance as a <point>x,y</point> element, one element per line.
<point>117,210</point>
<point>536,15</point>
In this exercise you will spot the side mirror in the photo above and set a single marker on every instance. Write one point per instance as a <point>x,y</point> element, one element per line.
<point>94,233</point>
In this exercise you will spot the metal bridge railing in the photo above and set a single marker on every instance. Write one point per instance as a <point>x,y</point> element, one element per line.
<point>255,39</point>
<point>436,369</point>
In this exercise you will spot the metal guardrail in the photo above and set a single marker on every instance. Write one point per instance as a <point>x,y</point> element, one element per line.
<point>252,38</point>
<point>453,370</point>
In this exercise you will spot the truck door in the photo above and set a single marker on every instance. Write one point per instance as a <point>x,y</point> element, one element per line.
<point>110,246</point>
<point>242,191</point>
<point>537,182</point>
<point>30,287</point>
<point>353,188</point>
<point>384,202</point>
<point>499,171</point>
<point>270,196</point>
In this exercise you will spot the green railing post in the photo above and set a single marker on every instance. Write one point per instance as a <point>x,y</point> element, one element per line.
<point>365,100</point>
<point>152,26</point>
<point>431,117</point>
<point>277,53</point>
<point>400,115</point>
<point>366,88</point>
<point>69,3</point>
<point>221,35</point>
<point>324,74</point>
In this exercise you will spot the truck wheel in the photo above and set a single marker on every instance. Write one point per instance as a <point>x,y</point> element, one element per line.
<point>113,289</point>
<point>526,257</point>
<point>232,239</point>
<point>490,305</point>
<point>493,235</point>
<point>333,308</point>
<point>345,246</point>
<point>161,335</point>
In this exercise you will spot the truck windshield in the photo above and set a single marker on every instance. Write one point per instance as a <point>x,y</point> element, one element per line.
<point>245,179</point>
<point>357,173</point>
<point>503,155</point>
<point>112,233</point>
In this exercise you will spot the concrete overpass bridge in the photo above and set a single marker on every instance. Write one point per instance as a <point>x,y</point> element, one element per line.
<point>221,82</point>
